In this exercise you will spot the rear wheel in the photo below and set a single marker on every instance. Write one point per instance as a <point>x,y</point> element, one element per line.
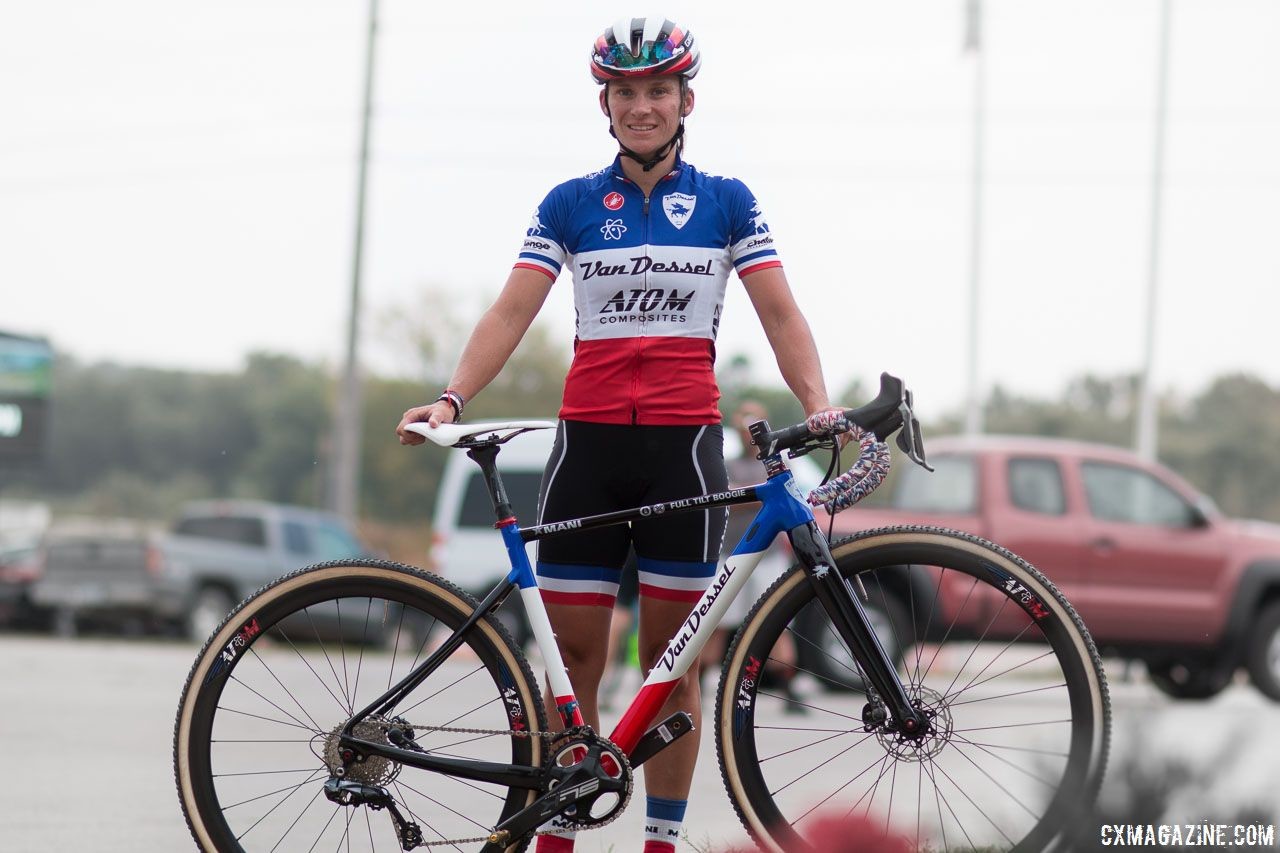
<point>1001,665</point>
<point>256,735</point>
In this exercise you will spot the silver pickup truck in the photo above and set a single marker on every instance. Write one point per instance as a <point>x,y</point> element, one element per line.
<point>217,553</point>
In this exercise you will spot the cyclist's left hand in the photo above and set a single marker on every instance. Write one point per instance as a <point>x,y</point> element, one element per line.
<point>434,414</point>
<point>844,437</point>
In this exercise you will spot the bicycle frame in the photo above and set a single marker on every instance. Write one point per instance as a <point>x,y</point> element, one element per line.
<point>783,510</point>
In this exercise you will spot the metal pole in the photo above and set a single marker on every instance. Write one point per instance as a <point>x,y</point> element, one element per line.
<point>1146,426</point>
<point>349,403</point>
<point>973,421</point>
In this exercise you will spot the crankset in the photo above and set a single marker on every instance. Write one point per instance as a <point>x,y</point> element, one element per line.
<point>589,785</point>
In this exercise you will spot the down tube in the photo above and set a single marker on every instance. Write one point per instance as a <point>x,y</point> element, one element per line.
<point>683,650</point>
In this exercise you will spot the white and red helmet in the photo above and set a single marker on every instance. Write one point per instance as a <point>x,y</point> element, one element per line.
<point>644,47</point>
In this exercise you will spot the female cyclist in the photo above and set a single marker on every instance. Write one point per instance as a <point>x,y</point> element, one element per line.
<point>651,241</point>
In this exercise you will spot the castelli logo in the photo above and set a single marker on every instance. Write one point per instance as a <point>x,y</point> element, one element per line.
<point>613,201</point>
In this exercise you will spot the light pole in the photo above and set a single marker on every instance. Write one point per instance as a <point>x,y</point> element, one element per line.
<point>1146,426</point>
<point>973,424</point>
<point>349,402</point>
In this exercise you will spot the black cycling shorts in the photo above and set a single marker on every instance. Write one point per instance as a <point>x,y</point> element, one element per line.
<point>598,468</point>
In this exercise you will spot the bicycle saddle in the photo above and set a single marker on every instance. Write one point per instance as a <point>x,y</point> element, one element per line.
<point>495,432</point>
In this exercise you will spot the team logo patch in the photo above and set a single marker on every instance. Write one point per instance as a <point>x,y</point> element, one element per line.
<point>678,207</point>
<point>613,229</point>
<point>757,218</point>
<point>614,201</point>
<point>535,226</point>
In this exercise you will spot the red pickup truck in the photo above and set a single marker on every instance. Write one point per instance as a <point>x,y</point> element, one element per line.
<point>1155,571</point>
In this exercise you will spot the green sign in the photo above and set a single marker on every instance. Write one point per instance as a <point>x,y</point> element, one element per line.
<point>26,371</point>
<point>26,366</point>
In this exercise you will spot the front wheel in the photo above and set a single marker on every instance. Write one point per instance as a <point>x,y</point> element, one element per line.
<point>1019,718</point>
<point>256,737</point>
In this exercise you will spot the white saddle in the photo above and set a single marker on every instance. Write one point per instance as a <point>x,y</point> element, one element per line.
<point>448,435</point>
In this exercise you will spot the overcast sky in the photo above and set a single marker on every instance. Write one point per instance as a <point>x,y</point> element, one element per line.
<point>177,180</point>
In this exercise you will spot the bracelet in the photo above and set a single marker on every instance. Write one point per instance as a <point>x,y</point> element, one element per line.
<point>453,398</point>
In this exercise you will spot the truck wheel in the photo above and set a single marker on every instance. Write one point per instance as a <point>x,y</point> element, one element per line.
<point>1264,652</point>
<point>65,623</point>
<point>211,606</point>
<point>1188,681</point>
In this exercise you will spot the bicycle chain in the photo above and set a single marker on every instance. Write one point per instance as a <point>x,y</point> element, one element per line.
<point>547,736</point>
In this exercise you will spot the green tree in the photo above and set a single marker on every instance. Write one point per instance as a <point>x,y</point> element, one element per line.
<point>289,414</point>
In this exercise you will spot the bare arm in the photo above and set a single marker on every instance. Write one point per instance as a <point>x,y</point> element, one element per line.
<point>491,343</point>
<point>789,336</point>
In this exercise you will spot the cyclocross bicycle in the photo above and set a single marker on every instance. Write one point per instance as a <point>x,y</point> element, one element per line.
<point>366,705</point>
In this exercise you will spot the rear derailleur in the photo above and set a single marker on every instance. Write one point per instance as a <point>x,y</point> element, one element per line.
<point>346,792</point>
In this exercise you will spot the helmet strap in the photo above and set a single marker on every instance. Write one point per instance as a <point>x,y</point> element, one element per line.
<point>647,163</point>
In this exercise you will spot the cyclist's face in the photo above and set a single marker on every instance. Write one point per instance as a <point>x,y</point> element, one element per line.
<point>646,111</point>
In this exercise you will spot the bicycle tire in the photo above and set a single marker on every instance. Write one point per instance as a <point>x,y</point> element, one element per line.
<point>1019,743</point>
<point>282,674</point>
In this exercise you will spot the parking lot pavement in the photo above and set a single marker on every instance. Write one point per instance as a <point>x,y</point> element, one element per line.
<point>86,729</point>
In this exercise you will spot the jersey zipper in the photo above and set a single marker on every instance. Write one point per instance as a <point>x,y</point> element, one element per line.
<point>635,376</point>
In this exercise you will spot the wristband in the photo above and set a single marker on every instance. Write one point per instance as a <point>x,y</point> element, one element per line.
<point>454,399</point>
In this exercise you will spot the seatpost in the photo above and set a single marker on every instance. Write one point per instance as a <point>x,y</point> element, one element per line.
<point>486,456</point>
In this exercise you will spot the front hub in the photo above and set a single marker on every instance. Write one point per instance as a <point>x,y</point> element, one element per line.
<point>925,741</point>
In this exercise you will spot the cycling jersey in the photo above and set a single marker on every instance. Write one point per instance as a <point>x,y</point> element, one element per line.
<point>649,275</point>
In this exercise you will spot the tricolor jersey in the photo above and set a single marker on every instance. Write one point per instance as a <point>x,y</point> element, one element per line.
<point>649,277</point>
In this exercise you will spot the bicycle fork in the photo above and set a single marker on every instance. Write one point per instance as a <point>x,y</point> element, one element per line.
<point>843,606</point>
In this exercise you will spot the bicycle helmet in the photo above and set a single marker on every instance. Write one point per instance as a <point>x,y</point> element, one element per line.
<point>644,47</point>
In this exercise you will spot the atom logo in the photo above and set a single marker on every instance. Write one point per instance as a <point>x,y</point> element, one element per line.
<point>613,229</point>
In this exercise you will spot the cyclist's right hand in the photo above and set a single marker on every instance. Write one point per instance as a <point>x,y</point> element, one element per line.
<point>434,414</point>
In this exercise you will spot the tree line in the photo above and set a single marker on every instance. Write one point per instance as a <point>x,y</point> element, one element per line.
<point>138,441</point>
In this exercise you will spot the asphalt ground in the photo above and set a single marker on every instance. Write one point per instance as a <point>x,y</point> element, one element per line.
<point>86,730</point>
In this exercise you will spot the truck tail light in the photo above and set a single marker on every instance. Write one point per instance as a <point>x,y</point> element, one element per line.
<point>438,541</point>
<point>155,561</point>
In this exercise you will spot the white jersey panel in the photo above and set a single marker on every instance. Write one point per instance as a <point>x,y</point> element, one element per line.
<point>668,291</point>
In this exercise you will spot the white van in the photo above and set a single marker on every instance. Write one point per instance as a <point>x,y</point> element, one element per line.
<point>469,551</point>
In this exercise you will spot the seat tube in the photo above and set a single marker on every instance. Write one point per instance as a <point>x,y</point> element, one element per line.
<point>850,620</point>
<point>536,612</point>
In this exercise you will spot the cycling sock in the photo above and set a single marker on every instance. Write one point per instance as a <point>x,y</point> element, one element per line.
<point>662,822</point>
<point>562,843</point>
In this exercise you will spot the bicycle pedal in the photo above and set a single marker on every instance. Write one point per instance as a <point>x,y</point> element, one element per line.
<point>660,737</point>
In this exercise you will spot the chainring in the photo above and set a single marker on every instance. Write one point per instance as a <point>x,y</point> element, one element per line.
<point>567,750</point>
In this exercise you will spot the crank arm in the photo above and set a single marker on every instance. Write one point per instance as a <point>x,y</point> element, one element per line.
<point>581,785</point>
<point>660,737</point>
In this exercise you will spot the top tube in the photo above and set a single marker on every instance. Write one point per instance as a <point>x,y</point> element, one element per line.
<point>730,497</point>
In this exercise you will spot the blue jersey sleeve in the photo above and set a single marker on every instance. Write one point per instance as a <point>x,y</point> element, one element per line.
<point>751,246</point>
<point>543,248</point>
